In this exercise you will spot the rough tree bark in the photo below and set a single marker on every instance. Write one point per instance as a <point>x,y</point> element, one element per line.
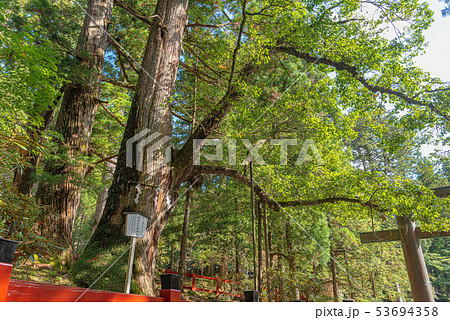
<point>74,123</point>
<point>149,110</point>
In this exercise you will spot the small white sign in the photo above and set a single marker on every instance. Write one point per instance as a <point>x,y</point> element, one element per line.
<point>136,224</point>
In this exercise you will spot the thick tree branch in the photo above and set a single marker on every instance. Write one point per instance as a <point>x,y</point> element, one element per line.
<point>122,68</point>
<point>107,159</point>
<point>124,54</point>
<point>102,157</point>
<point>199,73</point>
<point>180,116</point>
<point>348,20</point>
<point>133,12</point>
<point>238,45</point>
<point>276,205</point>
<point>102,103</point>
<point>343,66</point>
<point>119,83</point>
<point>197,24</point>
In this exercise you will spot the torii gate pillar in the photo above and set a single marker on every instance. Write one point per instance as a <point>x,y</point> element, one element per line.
<point>414,260</point>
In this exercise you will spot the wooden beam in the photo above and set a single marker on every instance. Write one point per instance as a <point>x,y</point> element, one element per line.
<point>394,235</point>
<point>441,192</point>
<point>435,234</point>
<point>380,236</point>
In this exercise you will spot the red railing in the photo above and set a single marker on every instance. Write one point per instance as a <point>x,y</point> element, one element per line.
<point>217,280</point>
<point>29,291</point>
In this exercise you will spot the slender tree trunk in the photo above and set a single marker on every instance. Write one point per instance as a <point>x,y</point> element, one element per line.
<point>212,268</point>
<point>334,277</point>
<point>349,278</point>
<point>266,248</point>
<point>281,268</point>
<point>259,247</point>
<point>372,281</point>
<point>266,237</point>
<point>252,205</point>
<point>149,110</point>
<point>184,236</point>
<point>236,245</point>
<point>269,230</point>
<point>290,247</point>
<point>237,261</point>
<point>172,258</point>
<point>223,268</point>
<point>101,200</point>
<point>74,123</point>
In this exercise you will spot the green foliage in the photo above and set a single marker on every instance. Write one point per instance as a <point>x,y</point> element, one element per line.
<point>29,78</point>
<point>19,215</point>
<point>369,142</point>
<point>437,257</point>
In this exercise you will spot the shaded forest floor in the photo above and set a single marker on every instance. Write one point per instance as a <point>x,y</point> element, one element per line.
<point>41,272</point>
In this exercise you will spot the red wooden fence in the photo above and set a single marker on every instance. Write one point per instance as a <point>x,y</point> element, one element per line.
<point>26,291</point>
<point>29,291</point>
<point>217,280</point>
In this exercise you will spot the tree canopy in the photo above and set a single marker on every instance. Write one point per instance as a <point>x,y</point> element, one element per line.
<point>323,95</point>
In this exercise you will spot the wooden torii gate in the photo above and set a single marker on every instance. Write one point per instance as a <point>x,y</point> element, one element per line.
<point>409,235</point>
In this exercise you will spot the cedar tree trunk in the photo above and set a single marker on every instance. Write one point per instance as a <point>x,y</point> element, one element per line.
<point>74,123</point>
<point>149,111</point>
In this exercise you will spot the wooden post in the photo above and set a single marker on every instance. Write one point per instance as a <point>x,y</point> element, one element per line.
<point>333,273</point>
<point>251,296</point>
<point>259,247</point>
<point>414,260</point>
<point>409,235</point>
<point>266,245</point>
<point>5,276</point>
<point>217,287</point>
<point>172,257</point>
<point>252,199</point>
<point>400,299</point>
<point>266,236</point>
<point>130,265</point>
<point>171,287</point>
<point>193,282</point>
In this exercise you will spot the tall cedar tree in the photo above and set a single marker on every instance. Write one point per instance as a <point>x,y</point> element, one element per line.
<point>74,123</point>
<point>149,110</point>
